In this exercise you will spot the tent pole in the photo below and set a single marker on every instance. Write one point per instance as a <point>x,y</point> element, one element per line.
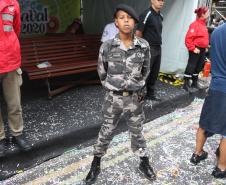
<point>81,10</point>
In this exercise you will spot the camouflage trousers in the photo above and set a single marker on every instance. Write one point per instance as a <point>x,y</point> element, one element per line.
<point>114,107</point>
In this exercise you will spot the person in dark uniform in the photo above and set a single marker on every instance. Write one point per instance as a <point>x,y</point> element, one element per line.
<point>150,28</point>
<point>123,67</point>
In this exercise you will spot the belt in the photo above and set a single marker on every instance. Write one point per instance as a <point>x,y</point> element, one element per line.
<point>123,93</point>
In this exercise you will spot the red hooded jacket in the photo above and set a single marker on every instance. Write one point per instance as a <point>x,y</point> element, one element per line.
<point>197,35</point>
<point>10,56</point>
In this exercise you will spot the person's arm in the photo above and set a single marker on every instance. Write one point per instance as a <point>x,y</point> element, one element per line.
<point>102,65</point>
<point>146,64</point>
<point>140,26</point>
<point>17,21</point>
<point>145,72</point>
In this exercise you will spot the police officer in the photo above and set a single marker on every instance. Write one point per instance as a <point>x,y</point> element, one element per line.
<point>10,72</point>
<point>150,28</point>
<point>123,67</point>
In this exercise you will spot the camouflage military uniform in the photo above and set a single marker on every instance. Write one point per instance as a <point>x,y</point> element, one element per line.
<point>123,73</point>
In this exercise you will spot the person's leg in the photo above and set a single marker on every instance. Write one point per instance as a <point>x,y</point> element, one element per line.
<point>200,141</point>
<point>11,89</point>
<point>148,81</point>
<point>138,142</point>
<point>199,154</point>
<point>106,134</point>
<point>112,110</point>
<point>2,131</point>
<point>220,170</point>
<point>198,68</point>
<point>189,71</point>
<point>155,68</point>
<point>135,126</point>
<point>154,71</point>
<point>2,137</point>
<point>222,157</point>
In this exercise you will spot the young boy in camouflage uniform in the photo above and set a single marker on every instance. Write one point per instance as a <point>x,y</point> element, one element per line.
<point>123,67</point>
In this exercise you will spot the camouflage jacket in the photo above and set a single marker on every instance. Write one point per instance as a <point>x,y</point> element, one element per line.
<point>124,69</point>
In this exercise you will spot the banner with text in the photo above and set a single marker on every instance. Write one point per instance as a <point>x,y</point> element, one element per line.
<point>39,17</point>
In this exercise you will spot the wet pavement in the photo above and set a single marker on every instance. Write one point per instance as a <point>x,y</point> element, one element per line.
<point>74,117</point>
<point>170,139</point>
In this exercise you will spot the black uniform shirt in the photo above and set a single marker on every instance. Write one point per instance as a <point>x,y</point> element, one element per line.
<point>150,24</point>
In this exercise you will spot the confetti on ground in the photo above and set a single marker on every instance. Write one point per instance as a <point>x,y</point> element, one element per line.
<point>170,139</point>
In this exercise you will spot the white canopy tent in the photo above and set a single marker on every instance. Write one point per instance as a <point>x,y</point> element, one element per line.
<point>177,18</point>
<point>178,14</point>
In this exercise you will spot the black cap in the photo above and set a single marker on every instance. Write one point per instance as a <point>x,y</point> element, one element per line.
<point>127,9</point>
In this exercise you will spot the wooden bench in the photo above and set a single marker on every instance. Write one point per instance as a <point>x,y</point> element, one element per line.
<point>64,55</point>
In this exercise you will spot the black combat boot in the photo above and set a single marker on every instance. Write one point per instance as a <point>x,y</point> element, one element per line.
<point>2,147</point>
<point>187,85</point>
<point>146,169</point>
<point>94,171</point>
<point>22,142</point>
<point>195,82</point>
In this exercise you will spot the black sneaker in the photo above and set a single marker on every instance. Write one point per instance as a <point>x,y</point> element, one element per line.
<point>217,173</point>
<point>195,159</point>
<point>2,147</point>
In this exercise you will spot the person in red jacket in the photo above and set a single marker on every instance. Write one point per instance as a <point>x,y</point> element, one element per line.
<point>10,72</point>
<point>196,41</point>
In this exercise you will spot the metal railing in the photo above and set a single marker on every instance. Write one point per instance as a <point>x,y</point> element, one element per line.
<point>222,16</point>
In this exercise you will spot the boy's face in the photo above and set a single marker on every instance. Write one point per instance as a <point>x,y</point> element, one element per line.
<point>124,22</point>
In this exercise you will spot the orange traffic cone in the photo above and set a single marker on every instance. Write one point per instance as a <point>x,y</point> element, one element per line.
<point>207,67</point>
